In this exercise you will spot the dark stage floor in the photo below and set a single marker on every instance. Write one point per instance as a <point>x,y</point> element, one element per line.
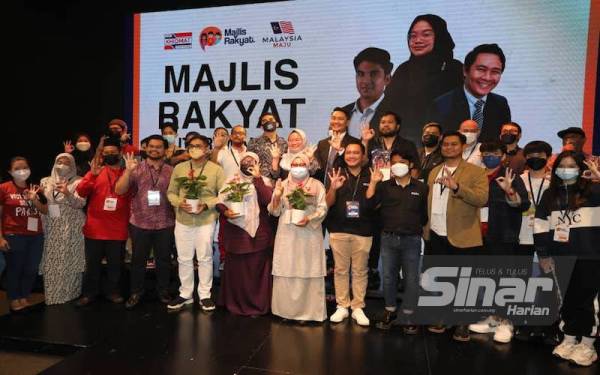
<point>106,339</point>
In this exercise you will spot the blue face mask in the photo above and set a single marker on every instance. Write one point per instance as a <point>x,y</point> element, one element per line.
<point>567,173</point>
<point>170,138</point>
<point>492,161</point>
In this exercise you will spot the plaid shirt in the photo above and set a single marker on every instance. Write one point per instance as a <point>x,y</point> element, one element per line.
<point>261,147</point>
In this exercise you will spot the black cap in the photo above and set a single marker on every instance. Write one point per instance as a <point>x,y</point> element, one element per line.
<point>571,130</point>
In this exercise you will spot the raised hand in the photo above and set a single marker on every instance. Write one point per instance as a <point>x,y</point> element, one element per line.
<point>125,137</point>
<point>336,142</point>
<point>254,171</point>
<point>447,179</point>
<point>131,162</point>
<point>336,178</point>
<point>593,173</point>
<point>505,182</point>
<point>68,146</point>
<point>95,166</point>
<point>31,193</point>
<point>220,140</point>
<point>275,152</point>
<point>376,174</point>
<point>366,133</point>
<point>62,187</point>
<point>278,190</point>
<point>310,151</point>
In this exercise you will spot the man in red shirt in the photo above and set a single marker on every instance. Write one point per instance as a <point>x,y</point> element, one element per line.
<point>105,229</point>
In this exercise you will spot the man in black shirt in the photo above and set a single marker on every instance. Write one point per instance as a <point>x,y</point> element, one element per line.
<point>402,204</point>
<point>349,222</point>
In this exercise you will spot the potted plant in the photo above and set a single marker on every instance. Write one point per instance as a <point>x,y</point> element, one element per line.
<point>193,185</point>
<point>236,191</point>
<point>298,201</point>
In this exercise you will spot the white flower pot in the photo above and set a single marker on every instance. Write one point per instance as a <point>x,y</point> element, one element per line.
<point>194,203</point>
<point>237,207</point>
<point>297,215</point>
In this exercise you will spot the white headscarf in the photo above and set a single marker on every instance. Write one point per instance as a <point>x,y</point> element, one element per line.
<point>286,159</point>
<point>49,183</point>
<point>250,219</point>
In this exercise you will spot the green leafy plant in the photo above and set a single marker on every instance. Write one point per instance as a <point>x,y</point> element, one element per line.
<point>193,185</point>
<point>297,198</point>
<point>236,191</point>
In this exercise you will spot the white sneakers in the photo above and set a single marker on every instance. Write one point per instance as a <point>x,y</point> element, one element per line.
<point>341,313</point>
<point>502,328</point>
<point>580,354</point>
<point>360,317</point>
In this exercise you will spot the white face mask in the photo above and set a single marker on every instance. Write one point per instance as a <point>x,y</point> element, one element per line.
<point>299,173</point>
<point>62,170</point>
<point>196,153</point>
<point>21,175</point>
<point>567,174</point>
<point>399,169</point>
<point>83,146</point>
<point>471,137</point>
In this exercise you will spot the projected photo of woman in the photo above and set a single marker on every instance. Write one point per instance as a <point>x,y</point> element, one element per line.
<point>430,71</point>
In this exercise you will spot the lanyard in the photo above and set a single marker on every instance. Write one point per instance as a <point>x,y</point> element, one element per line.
<point>442,186</point>
<point>357,181</point>
<point>471,153</point>
<point>110,181</point>
<point>201,170</point>
<point>155,182</point>
<point>564,213</point>
<point>536,199</point>
<point>234,158</point>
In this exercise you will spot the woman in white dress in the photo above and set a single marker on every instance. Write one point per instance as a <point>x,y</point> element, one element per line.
<point>298,256</point>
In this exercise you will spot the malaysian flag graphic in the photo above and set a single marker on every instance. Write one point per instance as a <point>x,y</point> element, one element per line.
<point>284,27</point>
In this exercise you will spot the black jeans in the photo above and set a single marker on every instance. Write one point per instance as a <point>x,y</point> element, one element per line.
<point>94,251</point>
<point>144,240</point>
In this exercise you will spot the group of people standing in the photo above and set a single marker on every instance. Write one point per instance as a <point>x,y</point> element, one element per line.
<point>469,189</point>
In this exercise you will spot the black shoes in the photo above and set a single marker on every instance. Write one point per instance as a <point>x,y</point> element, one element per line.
<point>179,302</point>
<point>386,319</point>
<point>133,300</point>
<point>207,304</point>
<point>461,333</point>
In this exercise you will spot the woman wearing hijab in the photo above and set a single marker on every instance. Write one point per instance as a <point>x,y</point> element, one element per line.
<point>298,256</point>
<point>297,144</point>
<point>63,260</point>
<point>430,71</point>
<point>248,237</point>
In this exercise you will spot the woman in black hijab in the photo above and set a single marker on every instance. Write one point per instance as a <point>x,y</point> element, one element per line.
<point>430,72</point>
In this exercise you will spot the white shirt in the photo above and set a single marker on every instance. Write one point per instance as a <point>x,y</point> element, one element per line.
<point>526,234</point>
<point>229,159</point>
<point>439,205</point>
<point>359,118</point>
<point>472,154</point>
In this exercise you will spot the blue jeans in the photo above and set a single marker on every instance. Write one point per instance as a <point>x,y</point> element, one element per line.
<point>400,251</point>
<point>22,260</point>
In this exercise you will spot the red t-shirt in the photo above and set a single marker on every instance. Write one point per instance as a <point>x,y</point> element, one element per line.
<point>18,217</point>
<point>106,219</point>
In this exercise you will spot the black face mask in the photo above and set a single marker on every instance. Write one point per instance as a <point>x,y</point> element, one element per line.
<point>269,126</point>
<point>508,139</point>
<point>245,169</point>
<point>430,140</point>
<point>536,163</point>
<point>111,159</point>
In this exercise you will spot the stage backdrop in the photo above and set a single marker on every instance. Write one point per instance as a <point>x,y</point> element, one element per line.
<point>295,59</point>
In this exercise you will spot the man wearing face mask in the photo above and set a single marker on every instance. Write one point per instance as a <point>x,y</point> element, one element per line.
<point>471,152</point>
<point>267,144</point>
<point>195,226</point>
<point>430,154</point>
<point>117,129</point>
<point>152,219</point>
<point>501,224</point>
<point>510,135</point>
<point>105,229</point>
<point>402,205</point>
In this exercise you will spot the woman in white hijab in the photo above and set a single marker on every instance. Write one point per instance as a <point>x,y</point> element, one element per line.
<point>63,260</point>
<point>298,255</point>
<point>248,239</point>
<point>297,145</point>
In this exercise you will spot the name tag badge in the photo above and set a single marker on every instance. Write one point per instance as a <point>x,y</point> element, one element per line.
<point>110,204</point>
<point>561,233</point>
<point>153,198</point>
<point>483,214</point>
<point>32,224</point>
<point>352,209</point>
<point>53,210</point>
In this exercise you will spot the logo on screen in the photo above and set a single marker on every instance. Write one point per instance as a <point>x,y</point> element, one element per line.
<point>210,36</point>
<point>283,36</point>
<point>178,41</point>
